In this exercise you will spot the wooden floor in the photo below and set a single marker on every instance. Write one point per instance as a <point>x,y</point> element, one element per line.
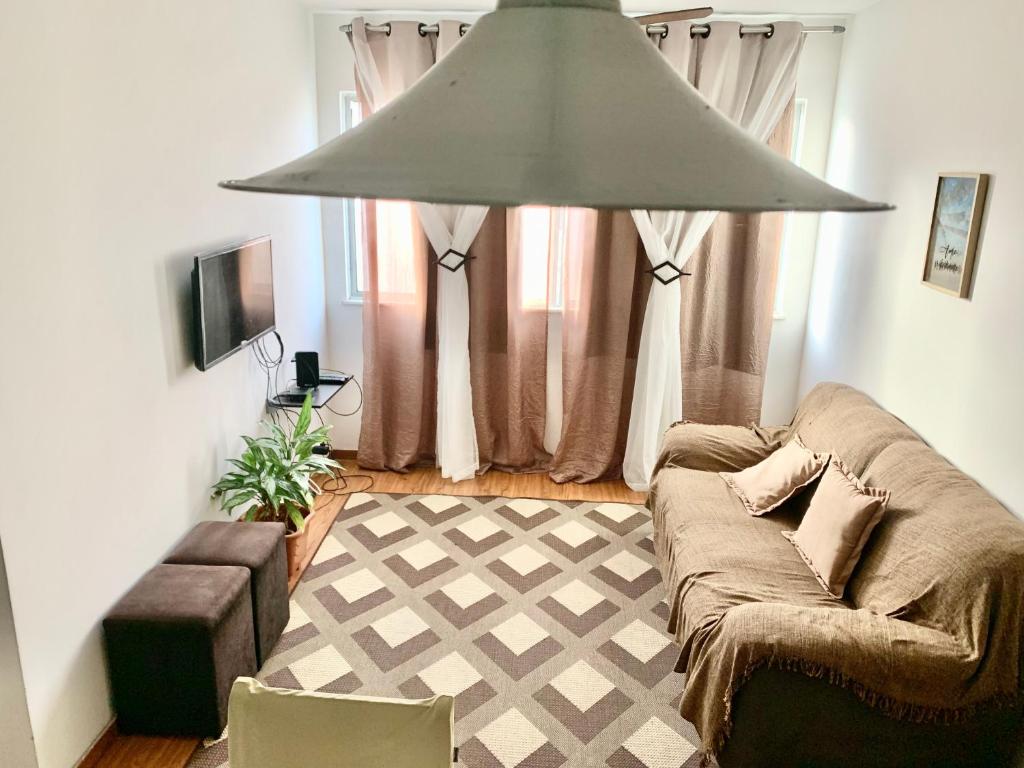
<point>535,486</point>
<point>141,752</point>
<point>113,750</point>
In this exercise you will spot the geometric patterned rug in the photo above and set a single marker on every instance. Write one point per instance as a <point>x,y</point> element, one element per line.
<point>543,618</point>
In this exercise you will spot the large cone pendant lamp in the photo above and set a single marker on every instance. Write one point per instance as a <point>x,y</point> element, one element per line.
<point>555,102</point>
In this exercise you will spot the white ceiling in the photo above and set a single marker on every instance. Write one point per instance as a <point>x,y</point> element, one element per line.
<point>743,7</point>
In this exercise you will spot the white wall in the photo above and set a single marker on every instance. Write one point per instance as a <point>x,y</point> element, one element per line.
<point>816,84</point>
<point>922,89</point>
<point>119,117</point>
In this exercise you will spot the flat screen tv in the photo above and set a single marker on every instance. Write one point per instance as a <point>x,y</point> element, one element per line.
<point>232,300</point>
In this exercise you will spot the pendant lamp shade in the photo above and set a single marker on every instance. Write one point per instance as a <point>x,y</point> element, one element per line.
<point>562,103</point>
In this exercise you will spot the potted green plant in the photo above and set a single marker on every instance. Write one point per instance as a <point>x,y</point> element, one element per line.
<point>275,478</point>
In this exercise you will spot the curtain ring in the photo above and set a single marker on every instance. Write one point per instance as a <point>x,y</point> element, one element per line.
<point>388,32</point>
<point>422,29</point>
<point>767,35</point>
<point>703,35</point>
<point>463,28</point>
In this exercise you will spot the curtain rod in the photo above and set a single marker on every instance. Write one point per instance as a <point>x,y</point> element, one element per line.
<point>652,29</point>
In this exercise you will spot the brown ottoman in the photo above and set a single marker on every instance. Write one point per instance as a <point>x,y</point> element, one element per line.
<point>258,547</point>
<point>175,644</point>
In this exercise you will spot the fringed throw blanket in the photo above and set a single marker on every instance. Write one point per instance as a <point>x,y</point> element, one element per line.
<point>931,626</point>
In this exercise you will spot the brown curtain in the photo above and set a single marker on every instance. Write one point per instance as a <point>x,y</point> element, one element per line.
<point>727,308</point>
<point>726,327</point>
<point>606,289</point>
<point>508,310</point>
<point>508,333</point>
<point>726,321</point>
<point>399,353</point>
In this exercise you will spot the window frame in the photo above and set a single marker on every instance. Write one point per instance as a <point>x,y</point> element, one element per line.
<point>557,239</point>
<point>351,211</point>
<point>556,292</point>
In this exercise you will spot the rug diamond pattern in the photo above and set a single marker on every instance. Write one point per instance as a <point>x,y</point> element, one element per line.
<point>548,629</point>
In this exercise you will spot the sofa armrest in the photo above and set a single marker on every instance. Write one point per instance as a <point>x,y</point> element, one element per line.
<point>879,652</point>
<point>909,670</point>
<point>717,447</point>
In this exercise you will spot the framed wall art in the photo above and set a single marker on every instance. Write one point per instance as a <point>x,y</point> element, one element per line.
<point>956,224</point>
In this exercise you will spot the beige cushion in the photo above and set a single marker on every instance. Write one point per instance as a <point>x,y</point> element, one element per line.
<point>766,485</point>
<point>838,522</point>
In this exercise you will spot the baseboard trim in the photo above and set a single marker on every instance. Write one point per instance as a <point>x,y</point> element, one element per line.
<point>95,753</point>
<point>343,454</point>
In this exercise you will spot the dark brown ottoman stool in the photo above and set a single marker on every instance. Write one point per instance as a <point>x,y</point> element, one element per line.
<point>175,644</point>
<point>260,548</point>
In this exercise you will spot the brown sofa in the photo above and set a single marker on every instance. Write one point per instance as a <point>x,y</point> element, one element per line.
<point>919,665</point>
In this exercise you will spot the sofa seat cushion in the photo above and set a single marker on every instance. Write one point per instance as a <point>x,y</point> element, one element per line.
<point>714,555</point>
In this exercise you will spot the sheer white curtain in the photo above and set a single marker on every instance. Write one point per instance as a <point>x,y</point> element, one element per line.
<point>453,227</point>
<point>448,228</point>
<point>751,79</point>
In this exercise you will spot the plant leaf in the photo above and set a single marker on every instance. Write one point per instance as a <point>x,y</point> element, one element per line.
<point>237,500</point>
<point>305,416</point>
<point>296,517</point>
<point>275,474</point>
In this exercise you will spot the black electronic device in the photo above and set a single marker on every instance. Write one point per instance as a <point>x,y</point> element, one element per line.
<point>293,396</point>
<point>339,379</point>
<point>307,370</point>
<point>232,300</point>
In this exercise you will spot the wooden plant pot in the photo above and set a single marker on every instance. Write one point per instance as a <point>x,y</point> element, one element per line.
<point>296,545</point>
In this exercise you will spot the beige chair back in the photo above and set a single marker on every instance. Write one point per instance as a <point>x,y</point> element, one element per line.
<point>278,728</point>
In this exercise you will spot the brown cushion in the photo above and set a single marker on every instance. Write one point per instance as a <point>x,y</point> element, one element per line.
<point>175,643</point>
<point>768,484</point>
<point>839,520</point>
<point>259,547</point>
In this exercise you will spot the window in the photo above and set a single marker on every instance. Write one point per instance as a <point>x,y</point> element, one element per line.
<point>395,219</point>
<point>795,154</point>
<point>353,221</point>
<point>542,242</point>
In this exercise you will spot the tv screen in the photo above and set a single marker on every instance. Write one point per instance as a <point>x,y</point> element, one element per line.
<point>233,300</point>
